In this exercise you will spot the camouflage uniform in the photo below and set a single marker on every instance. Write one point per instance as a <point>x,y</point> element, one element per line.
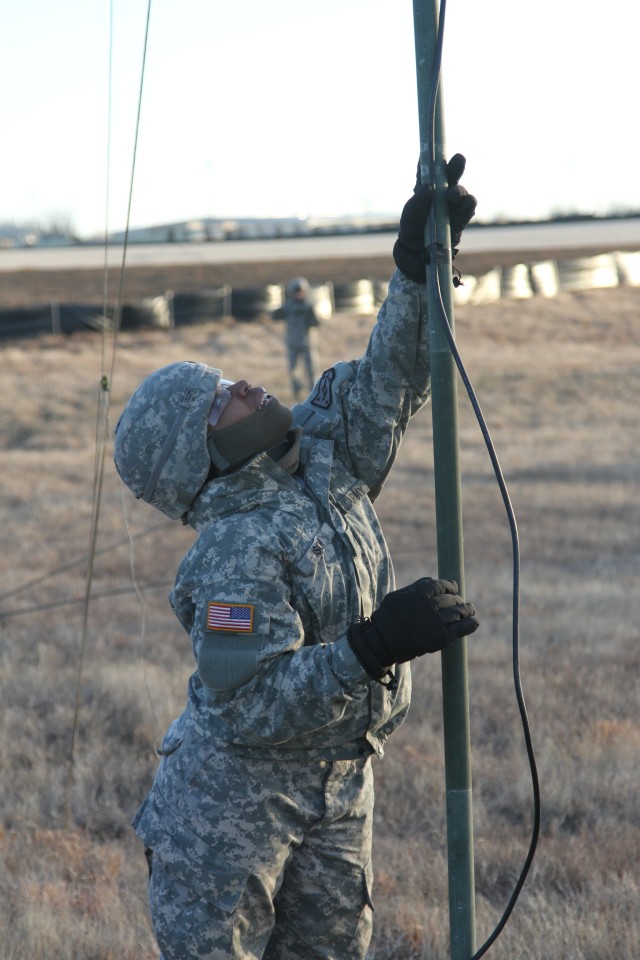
<point>260,814</point>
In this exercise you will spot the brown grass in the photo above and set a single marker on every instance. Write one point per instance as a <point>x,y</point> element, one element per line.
<point>559,383</point>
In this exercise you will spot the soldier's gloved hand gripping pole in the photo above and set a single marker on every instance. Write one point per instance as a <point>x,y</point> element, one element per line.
<point>428,615</point>
<point>409,252</point>
<point>424,617</point>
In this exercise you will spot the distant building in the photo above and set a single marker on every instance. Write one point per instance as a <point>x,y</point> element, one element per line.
<point>209,230</point>
<point>25,235</point>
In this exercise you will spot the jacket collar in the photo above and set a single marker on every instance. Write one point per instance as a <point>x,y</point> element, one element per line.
<point>257,482</point>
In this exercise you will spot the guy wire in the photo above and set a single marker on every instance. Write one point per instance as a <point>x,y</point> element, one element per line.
<point>102,417</point>
<point>65,567</point>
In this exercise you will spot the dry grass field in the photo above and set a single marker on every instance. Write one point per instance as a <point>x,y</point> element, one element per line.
<point>559,383</point>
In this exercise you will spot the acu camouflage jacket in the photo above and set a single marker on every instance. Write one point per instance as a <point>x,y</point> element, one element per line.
<point>284,564</point>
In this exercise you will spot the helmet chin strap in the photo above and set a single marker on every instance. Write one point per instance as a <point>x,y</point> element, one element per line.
<point>232,445</point>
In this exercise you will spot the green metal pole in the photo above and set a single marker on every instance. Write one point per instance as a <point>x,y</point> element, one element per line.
<point>447,493</point>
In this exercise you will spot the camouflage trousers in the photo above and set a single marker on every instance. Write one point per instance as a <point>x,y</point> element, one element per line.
<point>301,354</point>
<point>288,871</point>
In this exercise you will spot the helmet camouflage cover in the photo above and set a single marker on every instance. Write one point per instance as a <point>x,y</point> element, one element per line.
<point>160,442</point>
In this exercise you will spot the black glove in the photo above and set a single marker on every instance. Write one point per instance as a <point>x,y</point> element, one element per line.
<point>422,618</point>
<point>409,251</point>
<point>462,205</point>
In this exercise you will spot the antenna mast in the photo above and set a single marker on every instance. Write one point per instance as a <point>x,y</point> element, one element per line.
<point>427,15</point>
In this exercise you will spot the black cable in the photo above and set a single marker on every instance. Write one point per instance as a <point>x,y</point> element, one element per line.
<point>515,633</point>
<point>444,320</point>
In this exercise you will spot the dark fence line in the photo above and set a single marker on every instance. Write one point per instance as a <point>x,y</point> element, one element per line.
<point>246,304</point>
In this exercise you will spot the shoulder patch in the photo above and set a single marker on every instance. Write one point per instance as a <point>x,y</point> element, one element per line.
<point>230,617</point>
<point>322,397</point>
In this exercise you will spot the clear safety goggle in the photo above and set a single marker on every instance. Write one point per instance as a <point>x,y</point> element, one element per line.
<point>220,401</point>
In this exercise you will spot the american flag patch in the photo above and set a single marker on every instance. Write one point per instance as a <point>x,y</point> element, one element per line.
<point>230,617</point>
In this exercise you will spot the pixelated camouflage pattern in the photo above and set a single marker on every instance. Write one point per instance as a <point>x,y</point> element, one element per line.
<point>177,397</point>
<point>287,870</point>
<point>307,553</point>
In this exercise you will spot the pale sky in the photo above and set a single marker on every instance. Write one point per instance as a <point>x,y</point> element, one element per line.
<point>295,108</point>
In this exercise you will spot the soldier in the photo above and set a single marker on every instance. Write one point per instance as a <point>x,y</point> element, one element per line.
<point>301,321</point>
<point>257,828</point>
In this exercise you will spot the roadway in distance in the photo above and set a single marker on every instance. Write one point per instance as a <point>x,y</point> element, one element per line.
<point>609,234</point>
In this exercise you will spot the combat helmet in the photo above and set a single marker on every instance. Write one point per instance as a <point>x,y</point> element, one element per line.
<point>299,284</point>
<point>160,442</point>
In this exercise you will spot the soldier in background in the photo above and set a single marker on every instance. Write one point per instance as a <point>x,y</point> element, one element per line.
<point>301,321</point>
<point>257,828</point>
